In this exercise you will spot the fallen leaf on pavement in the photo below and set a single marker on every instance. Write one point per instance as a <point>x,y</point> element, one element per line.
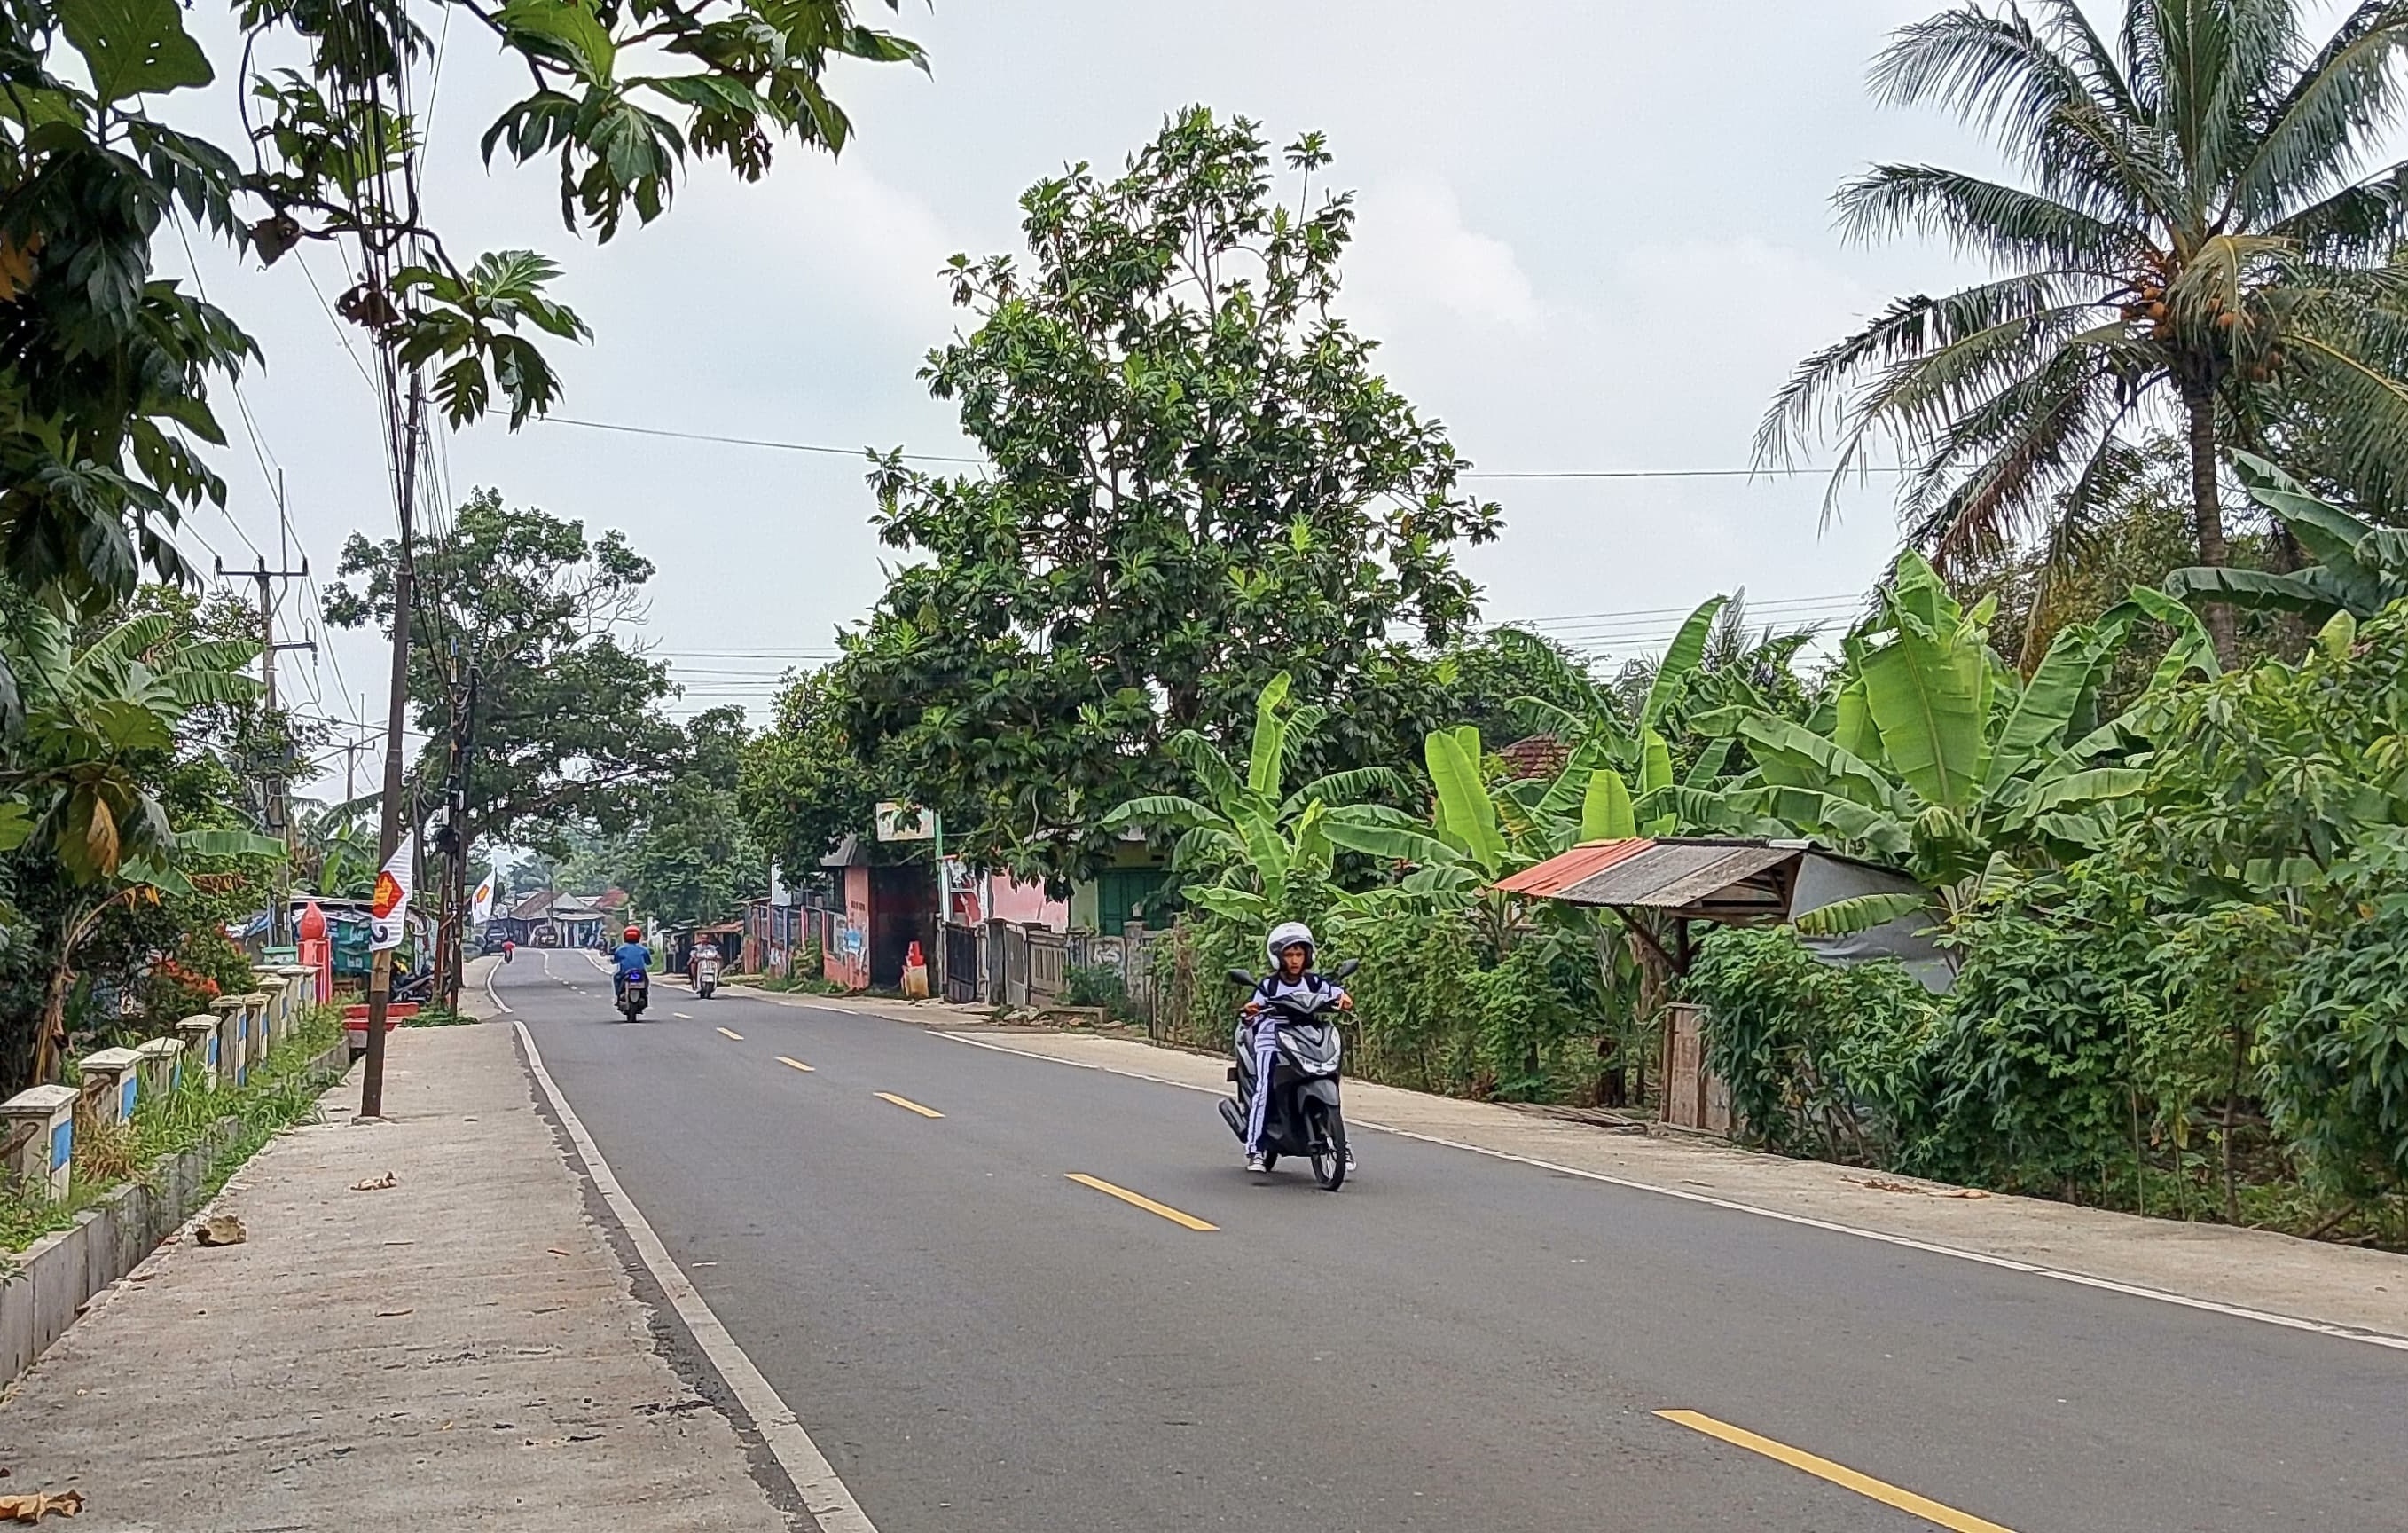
<point>377,1183</point>
<point>223,1230</point>
<point>34,1508</point>
<point>395,1314</point>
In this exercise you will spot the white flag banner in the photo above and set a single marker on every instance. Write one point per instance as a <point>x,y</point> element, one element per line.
<point>389,906</point>
<point>484,909</point>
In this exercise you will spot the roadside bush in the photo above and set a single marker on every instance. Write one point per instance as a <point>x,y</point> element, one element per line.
<point>1097,986</point>
<point>1820,1060</point>
<point>2034,1063</point>
<point>2334,1059</point>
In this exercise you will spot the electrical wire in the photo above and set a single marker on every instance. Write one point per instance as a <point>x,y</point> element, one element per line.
<point>1782,471</point>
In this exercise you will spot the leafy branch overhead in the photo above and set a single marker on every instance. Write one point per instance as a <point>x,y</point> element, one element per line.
<point>106,367</point>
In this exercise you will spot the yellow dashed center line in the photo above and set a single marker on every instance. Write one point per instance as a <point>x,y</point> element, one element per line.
<point>1139,1200</point>
<point>738,1037</point>
<point>907,1104</point>
<point>1838,1474</point>
<point>793,1064</point>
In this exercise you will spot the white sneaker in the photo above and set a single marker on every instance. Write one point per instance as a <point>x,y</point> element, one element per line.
<point>1350,1159</point>
<point>1254,1160</point>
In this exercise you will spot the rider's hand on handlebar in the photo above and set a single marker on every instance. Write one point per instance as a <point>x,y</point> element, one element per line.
<point>1254,1009</point>
<point>1345,1003</point>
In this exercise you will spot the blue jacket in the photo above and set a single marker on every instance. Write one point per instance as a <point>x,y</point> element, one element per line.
<point>631,957</point>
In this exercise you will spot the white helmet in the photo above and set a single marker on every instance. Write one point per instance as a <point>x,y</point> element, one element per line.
<point>1286,935</point>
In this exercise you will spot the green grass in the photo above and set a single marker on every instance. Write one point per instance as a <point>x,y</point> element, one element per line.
<point>437,1016</point>
<point>800,985</point>
<point>278,1093</point>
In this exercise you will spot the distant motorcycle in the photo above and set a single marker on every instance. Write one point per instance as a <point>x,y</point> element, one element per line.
<point>706,974</point>
<point>635,994</point>
<point>1303,1117</point>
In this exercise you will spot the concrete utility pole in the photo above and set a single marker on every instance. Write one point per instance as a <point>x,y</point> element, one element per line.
<point>277,821</point>
<point>396,720</point>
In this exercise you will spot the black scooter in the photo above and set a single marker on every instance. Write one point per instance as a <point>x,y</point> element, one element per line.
<point>1302,1116</point>
<point>635,994</point>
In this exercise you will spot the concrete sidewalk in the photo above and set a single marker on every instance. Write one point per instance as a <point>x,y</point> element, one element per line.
<point>2214,1263</point>
<point>463,1348</point>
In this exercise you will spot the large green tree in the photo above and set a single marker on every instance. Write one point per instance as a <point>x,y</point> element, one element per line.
<point>801,785</point>
<point>1198,479</point>
<point>2195,227</point>
<point>692,859</point>
<point>106,367</point>
<point>569,727</point>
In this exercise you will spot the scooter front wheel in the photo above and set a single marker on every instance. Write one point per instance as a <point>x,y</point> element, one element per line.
<point>1329,1151</point>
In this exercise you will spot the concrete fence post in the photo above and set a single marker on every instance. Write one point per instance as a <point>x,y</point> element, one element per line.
<point>233,1038</point>
<point>111,1088</point>
<point>300,993</point>
<point>40,1138</point>
<point>155,1063</point>
<point>270,1028</point>
<point>200,1061</point>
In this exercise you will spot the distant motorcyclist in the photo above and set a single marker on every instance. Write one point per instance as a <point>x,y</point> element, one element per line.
<point>631,957</point>
<point>509,948</point>
<point>1290,945</point>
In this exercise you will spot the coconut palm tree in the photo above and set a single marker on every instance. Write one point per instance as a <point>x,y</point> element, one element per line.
<point>2195,230</point>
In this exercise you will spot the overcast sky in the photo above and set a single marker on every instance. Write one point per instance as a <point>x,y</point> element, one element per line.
<point>1592,237</point>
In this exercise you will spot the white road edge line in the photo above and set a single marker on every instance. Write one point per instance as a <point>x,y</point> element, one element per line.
<point>824,1495</point>
<point>495,994</point>
<point>2009,1264</point>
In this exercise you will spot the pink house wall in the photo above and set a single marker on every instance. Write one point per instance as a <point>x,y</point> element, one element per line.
<point>1025,905</point>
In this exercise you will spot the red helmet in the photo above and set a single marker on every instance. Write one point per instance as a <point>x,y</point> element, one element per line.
<point>634,934</point>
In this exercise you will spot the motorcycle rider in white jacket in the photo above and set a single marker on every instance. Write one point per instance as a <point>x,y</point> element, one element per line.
<point>1290,947</point>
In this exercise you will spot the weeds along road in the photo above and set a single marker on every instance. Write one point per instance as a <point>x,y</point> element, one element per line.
<point>1005,1296</point>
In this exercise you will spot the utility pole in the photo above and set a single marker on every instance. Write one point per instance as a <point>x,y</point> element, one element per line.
<point>464,742</point>
<point>273,815</point>
<point>396,717</point>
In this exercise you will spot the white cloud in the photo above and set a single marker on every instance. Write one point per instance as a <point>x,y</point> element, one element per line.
<point>1412,252</point>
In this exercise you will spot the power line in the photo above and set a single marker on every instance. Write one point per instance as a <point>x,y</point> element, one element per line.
<point>1786,471</point>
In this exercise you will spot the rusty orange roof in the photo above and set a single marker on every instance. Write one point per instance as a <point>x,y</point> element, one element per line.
<point>1564,869</point>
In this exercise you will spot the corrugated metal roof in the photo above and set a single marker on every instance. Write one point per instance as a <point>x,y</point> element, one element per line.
<point>1549,878</point>
<point>1721,877</point>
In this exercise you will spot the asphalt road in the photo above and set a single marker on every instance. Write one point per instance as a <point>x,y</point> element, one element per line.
<point>980,1343</point>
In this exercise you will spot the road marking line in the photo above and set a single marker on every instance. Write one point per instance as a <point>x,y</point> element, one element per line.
<point>495,994</point>
<point>905,1103</point>
<point>1838,1474</point>
<point>685,1016</point>
<point>1929,1248</point>
<point>815,1481</point>
<point>1139,1200</point>
<point>724,1033</point>
<point>796,1064</point>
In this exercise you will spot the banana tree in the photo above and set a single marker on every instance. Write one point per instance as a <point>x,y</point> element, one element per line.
<point>98,724</point>
<point>1267,852</point>
<point>2361,569</point>
<point>1609,734</point>
<point>1936,758</point>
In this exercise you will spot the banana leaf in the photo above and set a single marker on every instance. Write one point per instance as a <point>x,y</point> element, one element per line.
<point>1858,913</point>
